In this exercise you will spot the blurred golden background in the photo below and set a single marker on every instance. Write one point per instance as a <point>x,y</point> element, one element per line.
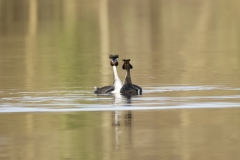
<point>50,43</point>
<point>52,53</point>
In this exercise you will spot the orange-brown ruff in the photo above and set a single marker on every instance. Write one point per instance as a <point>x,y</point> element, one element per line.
<point>128,87</point>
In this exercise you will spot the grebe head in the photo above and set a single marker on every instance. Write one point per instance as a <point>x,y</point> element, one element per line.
<point>126,64</point>
<point>114,61</point>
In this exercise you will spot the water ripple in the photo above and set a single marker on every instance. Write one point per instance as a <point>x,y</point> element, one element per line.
<point>164,97</point>
<point>6,109</point>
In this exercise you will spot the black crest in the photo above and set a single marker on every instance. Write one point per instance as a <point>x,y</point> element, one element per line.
<point>113,56</point>
<point>126,64</point>
<point>114,61</point>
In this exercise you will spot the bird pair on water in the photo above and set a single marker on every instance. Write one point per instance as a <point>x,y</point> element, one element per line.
<point>127,87</point>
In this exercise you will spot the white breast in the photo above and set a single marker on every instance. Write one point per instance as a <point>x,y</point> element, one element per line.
<point>117,82</point>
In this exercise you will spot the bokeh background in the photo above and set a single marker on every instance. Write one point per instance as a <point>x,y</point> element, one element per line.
<point>50,43</point>
<point>185,54</point>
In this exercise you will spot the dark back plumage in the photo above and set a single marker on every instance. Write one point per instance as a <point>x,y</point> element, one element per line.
<point>128,88</point>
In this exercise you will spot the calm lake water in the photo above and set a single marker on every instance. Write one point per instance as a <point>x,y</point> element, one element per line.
<point>185,56</point>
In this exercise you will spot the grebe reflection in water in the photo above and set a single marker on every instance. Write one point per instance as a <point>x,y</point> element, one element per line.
<point>128,87</point>
<point>117,84</point>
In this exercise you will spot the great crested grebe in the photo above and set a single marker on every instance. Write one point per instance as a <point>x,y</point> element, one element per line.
<point>117,84</point>
<point>128,87</point>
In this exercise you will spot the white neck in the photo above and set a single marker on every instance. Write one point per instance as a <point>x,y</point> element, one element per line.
<point>117,82</point>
